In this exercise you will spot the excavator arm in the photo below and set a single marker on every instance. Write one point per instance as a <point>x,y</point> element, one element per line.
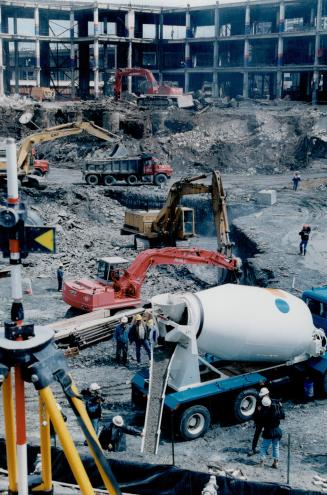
<point>220,215</point>
<point>60,131</point>
<point>130,283</point>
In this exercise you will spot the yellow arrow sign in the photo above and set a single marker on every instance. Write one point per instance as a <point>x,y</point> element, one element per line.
<point>47,240</point>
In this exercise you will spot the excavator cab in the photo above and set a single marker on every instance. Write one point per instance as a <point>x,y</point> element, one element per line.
<point>185,222</point>
<point>111,268</point>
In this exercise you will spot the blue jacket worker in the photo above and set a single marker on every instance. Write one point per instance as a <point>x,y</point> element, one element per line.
<point>296,180</point>
<point>121,338</point>
<point>60,277</point>
<point>93,404</point>
<point>271,414</point>
<point>304,234</point>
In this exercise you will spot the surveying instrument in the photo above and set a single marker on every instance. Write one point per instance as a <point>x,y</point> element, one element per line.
<point>28,354</point>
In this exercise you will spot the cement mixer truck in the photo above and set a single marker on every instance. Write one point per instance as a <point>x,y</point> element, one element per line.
<point>229,341</point>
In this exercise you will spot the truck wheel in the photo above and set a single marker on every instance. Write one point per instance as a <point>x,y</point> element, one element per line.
<point>194,422</point>
<point>109,180</point>
<point>160,179</point>
<point>131,180</point>
<point>92,180</point>
<point>245,404</point>
<point>37,172</point>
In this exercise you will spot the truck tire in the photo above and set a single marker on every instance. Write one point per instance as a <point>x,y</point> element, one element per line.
<point>92,179</point>
<point>194,422</point>
<point>109,180</point>
<point>244,404</point>
<point>160,179</point>
<point>131,180</point>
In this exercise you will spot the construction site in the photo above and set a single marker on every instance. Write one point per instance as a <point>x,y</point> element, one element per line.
<point>163,178</point>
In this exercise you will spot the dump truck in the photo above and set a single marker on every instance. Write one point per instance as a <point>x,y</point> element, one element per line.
<point>174,222</point>
<point>119,285</point>
<point>138,169</point>
<point>230,341</point>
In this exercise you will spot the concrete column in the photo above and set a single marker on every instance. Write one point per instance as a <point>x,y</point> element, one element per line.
<point>72,53</point>
<point>247,19</point>
<point>217,20</point>
<point>245,84</point>
<point>281,17</point>
<point>246,52</point>
<point>96,51</point>
<point>312,16</point>
<point>130,26</point>
<point>316,75</point>
<point>187,82</point>
<point>37,46</point>
<point>2,85</point>
<point>160,40</point>
<point>189,33</point>
<point>188,61</point>
<point>280,55</point>
<point>215,84</point>
<point>84,60</point>
<point>16,56</point>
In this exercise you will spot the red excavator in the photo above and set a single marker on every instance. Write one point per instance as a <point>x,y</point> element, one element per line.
<point>154,92</point>
<point>119,287</point>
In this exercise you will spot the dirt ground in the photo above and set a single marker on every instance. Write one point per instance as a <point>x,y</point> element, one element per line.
<point>255,148</point>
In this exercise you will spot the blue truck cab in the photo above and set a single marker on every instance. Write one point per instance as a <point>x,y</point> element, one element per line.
<point>316,300</point>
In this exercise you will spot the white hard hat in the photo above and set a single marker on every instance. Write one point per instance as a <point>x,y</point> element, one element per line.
<point>124,319</point>
<point>263,391</point>
<point>266,401</point>
<point>118,421</point>
<point>94,386</point>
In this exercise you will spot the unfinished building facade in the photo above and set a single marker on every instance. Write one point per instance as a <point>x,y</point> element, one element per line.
<point>263,48</point>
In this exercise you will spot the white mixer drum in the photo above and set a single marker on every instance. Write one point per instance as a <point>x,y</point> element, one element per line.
<point>245,323</point>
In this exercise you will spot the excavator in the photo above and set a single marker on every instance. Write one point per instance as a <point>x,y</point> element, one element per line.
<point>174,222</point>
<point>119,287</point>
<point>157,94</point>
<point>30,170</point>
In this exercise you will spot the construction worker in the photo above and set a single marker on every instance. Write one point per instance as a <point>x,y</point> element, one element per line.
<point>257,418</point>
<point>112,436</point>
<point>271,414</point>
<point>296,180</point>
<point>93,404</point>
<point>137,334</point>
<point>151,332</point>
<point>304,234</point>
<point>121,337</point>
<point>60,277</point>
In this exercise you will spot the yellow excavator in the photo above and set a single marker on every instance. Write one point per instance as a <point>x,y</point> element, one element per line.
<point>31,171</point>
<point>174,222</point>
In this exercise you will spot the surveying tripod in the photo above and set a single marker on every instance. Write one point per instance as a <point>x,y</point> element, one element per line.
<point>28,352</point>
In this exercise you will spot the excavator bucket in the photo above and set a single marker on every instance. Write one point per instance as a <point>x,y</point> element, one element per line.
<point>119,151</point>
<point>34,181</point>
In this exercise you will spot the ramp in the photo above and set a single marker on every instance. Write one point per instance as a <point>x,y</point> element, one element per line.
<point>159,373</point>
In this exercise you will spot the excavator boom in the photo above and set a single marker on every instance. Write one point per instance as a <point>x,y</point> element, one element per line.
<point>60,131</point>
<point>129,284</point>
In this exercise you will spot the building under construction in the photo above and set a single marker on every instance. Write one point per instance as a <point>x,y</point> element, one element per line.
<point>263,48</point>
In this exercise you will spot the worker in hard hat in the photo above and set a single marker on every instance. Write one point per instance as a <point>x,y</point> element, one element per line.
<point>304,234</point>
<point>137,334</point>
<point>257,418</point>
<point>112,436</point>
<point>121,338</point>
<point>296,180</point>
<point>271,414</point>
<point>93,404</point>
<point>151,332</point>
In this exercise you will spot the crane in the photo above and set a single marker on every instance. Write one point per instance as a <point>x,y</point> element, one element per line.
<point>25,155</point>
<point>174,222</point>
<point>119,287</point>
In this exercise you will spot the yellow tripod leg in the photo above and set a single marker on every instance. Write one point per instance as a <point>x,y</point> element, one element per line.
<point>9,417</point>
<point>44,419</point>
<point>66,442</point>
<point>78,403</point>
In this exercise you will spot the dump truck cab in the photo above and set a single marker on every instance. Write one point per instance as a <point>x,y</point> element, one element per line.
<point>316,300</point>
<point>110,269</point>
